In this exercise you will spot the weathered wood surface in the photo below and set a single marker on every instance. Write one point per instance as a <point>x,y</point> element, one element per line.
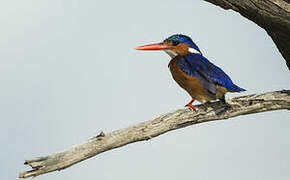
<point>272,15</point>
<point>170,121</point>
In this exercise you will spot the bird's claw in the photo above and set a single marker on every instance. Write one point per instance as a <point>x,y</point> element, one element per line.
<point>192,107</point>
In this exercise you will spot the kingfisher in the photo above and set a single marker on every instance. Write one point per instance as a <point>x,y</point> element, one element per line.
<point>192,71</point>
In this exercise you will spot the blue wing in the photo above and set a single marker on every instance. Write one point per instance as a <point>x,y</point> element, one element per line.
<point>209,74</point>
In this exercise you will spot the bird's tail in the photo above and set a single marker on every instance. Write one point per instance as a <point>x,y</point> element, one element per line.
<point>236,88</point>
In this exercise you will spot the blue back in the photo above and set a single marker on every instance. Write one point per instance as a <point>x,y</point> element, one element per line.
<point>209,74</point>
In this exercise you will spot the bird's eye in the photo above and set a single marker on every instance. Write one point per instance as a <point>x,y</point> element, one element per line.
<point>175,43</point>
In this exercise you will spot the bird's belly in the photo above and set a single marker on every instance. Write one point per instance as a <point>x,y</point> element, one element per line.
<point>190,83</point>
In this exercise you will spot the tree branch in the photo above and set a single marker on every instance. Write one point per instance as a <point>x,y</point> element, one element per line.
<point>272,15</point>
<point>170,121</point>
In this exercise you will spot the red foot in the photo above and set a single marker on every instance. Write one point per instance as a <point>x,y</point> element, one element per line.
<point>191,106</point>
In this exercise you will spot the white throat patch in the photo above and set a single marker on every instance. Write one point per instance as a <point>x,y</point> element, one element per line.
<point>172,54</point>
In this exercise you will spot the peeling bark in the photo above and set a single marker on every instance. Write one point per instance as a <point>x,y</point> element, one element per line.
<point>167,122</point>
<point>271,15</point>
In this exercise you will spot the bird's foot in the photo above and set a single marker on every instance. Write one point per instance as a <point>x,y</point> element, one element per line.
<point>191,107</point>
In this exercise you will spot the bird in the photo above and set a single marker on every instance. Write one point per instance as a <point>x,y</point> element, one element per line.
<point>203,81</point>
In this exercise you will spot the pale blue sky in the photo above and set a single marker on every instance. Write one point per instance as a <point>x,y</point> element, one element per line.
<point>68,70</point>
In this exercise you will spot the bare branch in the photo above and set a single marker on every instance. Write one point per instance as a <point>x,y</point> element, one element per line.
<point>272,15</point>
<point>170,121</point>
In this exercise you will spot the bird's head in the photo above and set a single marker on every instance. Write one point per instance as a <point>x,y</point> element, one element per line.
<point>175,45</point>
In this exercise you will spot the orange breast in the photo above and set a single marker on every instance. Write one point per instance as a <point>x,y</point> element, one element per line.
<point>190,83</point>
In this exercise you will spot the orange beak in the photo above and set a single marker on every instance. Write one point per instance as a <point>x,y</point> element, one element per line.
<point>157,46</point>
